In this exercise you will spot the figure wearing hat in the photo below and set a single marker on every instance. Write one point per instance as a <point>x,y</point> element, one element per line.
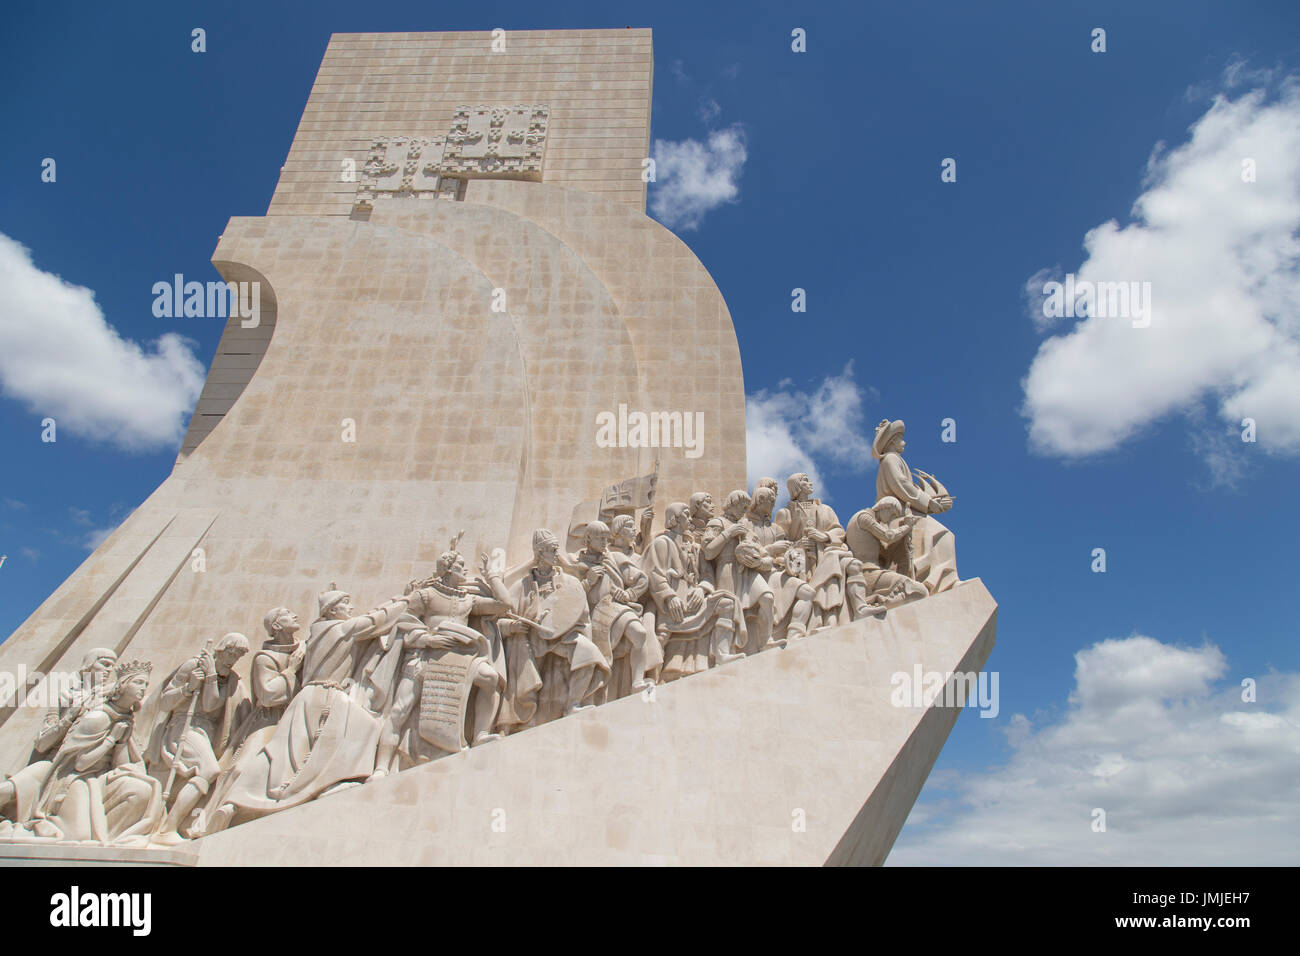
<point>343,647</point>
<point>934,550</point>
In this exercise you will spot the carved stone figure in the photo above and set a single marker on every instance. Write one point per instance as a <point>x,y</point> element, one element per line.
<point>96,669</point>
<point>627,544</point>
<point>616,626</point>
<point>451,673</point>
<point>700,511</point>
<point>934,549</point>
<point>98,789</point>
<point>741,567</point>
<point>814,528</point>
<point>792,608</point>
<point>347,649</point>
<point>274,678</point>
<point>695,620</point>
<point>881,537</point>
<point>327,737</point>
<point>551,609</point>
<point>21,789</point>
<point>202,702</point>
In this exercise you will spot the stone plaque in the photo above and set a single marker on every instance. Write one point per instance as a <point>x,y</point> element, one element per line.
<point>447,680</point>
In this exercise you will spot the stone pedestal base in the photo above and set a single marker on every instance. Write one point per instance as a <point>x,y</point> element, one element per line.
<point>797,756</point>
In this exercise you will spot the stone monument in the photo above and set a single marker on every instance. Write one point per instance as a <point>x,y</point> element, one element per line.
<point>459,293</point>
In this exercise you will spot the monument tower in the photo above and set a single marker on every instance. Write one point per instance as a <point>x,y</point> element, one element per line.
<point>457,285</point>
<point>434,345</point>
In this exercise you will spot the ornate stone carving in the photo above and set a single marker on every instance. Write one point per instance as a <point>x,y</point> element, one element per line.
<point>934,552</point>
<point>451,671</point>
<point>484,142</point>
<point>456,662</point>
<point>696,622</point>
<point>551,611</point>
<point>402,167</point>
<point>97,789</point>
<point>497,142</point>
<point>741,567</point>
<point>203,701</point>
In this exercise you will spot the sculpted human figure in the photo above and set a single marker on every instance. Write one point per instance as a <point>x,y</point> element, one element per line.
<point>274,676</point>
<point>346,648</point>
<point>814,528</point>
<point>451,673</point>
<point>625,550</point>
<point>553,606</point>
<point>327,736</point>
<point>616,626</point>
<point>694,619</point>
<point>793,604</point>
<point>881,538</point>
<point>700,507</point>
<point>98,789</point>
<point>96,669</point>
<point>934,548</point>
<point>741,567</point>
<point>202,702</point>
<point>21,789</point>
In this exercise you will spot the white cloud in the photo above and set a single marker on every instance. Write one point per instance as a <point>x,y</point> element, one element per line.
<point>1223,260</point>
<point>61,358</point>
<point>709,109</point>
<point>95,537</point>
<point>692,178</point>
<point>1186,773</point>
<point>787,430</point>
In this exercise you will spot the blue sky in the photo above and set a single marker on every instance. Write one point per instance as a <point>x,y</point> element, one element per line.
<point>825,173</point>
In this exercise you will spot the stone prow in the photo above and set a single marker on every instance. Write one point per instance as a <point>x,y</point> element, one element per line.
<point>795,756</point>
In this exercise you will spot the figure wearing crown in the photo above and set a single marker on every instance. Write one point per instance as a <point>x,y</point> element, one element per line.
<point>98,789</point>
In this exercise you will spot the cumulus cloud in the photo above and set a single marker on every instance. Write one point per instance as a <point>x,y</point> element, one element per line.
<point>694,177</point>
<point>1222,257</point>
<point>61,358</point>
<point>788,430</point>
<point>1152,734</point>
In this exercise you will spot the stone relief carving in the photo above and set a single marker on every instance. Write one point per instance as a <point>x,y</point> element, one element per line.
<point>97,789</point>
<point>459,661</point>
<point>401,166</point>
<point>497,142</point>
<point>483,142</point>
